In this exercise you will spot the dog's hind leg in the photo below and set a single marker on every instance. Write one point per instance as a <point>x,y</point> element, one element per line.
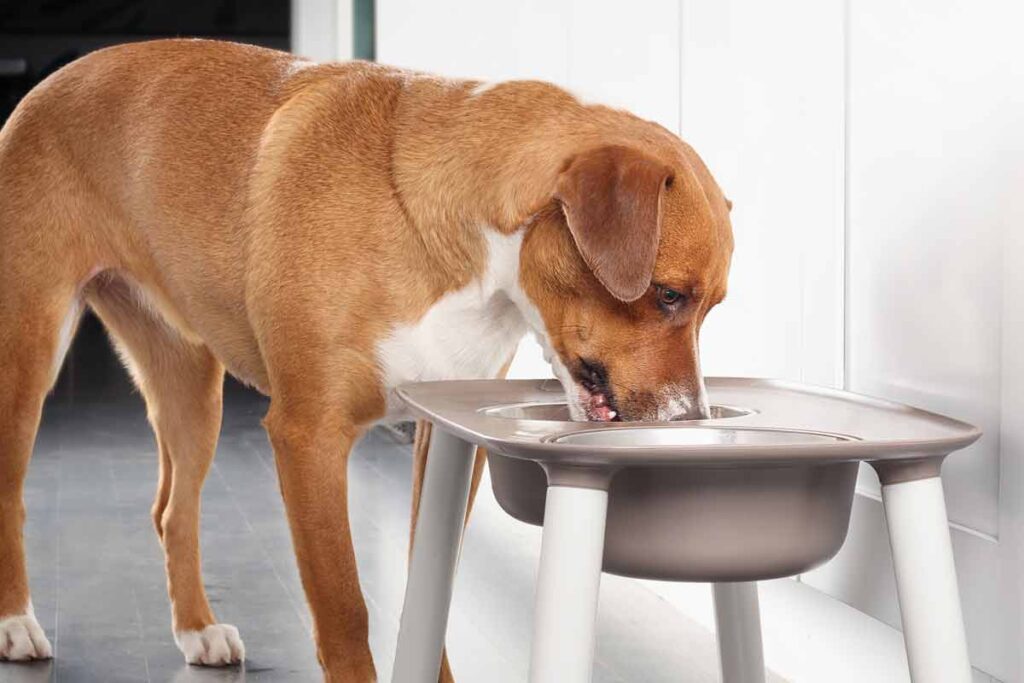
<point>182,383</point>
<point>37,321</point>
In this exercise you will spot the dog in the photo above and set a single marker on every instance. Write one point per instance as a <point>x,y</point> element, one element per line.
<point>326,233</point>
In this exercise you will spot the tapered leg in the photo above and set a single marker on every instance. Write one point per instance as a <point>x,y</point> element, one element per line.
<point>738,617</point>
<point>922,554</point>
<point>435,554</point>
<point>420,452</point>
<point>568,583</point>
<point>29,342</point>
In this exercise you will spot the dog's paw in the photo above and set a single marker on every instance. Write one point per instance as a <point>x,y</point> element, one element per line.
<point>215,645</point>
<point>22,639</point>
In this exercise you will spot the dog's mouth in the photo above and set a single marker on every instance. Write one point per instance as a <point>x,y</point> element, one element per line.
<point>599,406</point>
<point>596,396</point>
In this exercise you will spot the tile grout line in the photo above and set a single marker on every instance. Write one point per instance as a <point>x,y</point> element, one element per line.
<point>296,607</point>
<point>126,533</point>
<point>57,589</point>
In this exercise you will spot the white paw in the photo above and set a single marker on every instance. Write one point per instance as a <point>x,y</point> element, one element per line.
<point>21,639</point>
<point>215,645</point>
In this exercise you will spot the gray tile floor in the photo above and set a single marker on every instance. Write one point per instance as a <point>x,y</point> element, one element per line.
<point>99,589</point>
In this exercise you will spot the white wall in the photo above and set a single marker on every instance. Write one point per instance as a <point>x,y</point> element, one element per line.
<point>934,191</point>
<point>775,146</point>
<point>322,29</point>
<point>611,51</point>
<point>873,150</point>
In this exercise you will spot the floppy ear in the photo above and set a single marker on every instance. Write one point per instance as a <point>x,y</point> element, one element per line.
<point>611,197</point>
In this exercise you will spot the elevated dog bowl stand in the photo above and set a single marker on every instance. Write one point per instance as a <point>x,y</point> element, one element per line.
<point>762,489</point>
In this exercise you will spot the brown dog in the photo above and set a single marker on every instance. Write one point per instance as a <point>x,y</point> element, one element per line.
<point>325,233</point>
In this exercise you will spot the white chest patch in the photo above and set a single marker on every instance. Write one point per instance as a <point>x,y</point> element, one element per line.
<point>467,334</point>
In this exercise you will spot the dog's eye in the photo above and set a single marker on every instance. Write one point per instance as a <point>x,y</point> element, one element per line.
<point>669,297</point>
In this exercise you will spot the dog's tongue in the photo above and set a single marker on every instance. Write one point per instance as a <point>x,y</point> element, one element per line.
<point>600,411</point>
<point>597,406</point>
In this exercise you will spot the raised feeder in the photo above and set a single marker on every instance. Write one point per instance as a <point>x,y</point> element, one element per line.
<point>761,489</point>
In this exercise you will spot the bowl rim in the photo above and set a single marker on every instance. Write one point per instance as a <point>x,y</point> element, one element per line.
<point>565,438</point>
<point>884,430</point>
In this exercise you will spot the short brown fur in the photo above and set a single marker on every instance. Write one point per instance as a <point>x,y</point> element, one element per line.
<point>224,207</point>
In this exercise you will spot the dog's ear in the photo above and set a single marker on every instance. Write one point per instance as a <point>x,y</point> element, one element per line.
<point>611,197</point>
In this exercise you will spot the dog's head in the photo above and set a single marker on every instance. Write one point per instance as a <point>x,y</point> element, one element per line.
<point>623,266</point>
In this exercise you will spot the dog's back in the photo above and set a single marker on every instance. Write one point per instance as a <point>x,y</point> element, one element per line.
<point>140,160</point>
<point>112,150</point>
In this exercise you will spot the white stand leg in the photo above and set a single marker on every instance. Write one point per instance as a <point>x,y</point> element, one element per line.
<point>435,554</point>
<point>738,617</point>
<point>565,612</point>
<point>922,554</point>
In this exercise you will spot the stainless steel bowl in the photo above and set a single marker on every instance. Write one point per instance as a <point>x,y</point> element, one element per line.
<point>698,523</point>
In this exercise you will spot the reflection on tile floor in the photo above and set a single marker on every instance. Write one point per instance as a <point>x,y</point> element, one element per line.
<point>99,589</point>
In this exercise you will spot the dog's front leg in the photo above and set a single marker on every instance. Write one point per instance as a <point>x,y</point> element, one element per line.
<point>312,441</point>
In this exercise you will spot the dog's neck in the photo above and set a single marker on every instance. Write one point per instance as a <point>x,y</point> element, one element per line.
<point>462,166</point>
<point>465,159</point>
<point>465,163</point>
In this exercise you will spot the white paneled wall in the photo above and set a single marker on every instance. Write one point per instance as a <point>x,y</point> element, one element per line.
<point>874,152</point>
<point>627,55</point>
<point>485,40</point>
<point>762,103</point>
<point>322,29</point>
<point>624,54</point>
<point>932,191</point>
<point>1011,438</point>
<point>935,151</point>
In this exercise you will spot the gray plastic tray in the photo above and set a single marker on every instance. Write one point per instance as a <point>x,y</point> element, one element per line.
<point>761,489</point>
